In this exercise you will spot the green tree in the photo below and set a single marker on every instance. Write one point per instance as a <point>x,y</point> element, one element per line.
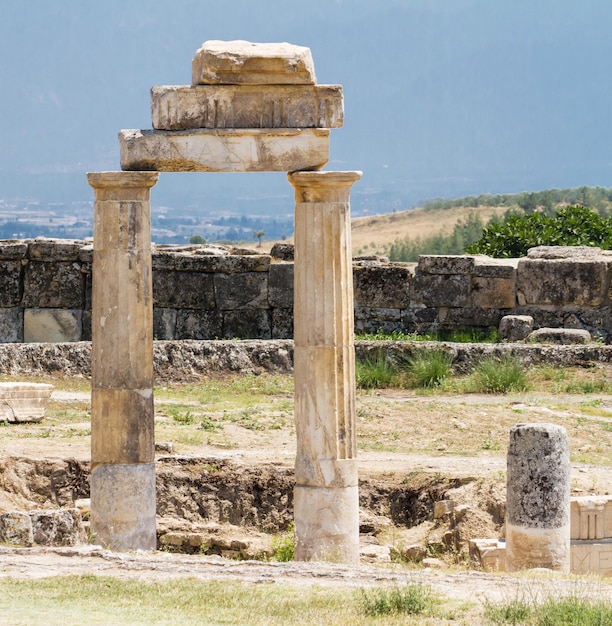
<point>259,235</point>
<point>571,226</point>
<point>197,239</point>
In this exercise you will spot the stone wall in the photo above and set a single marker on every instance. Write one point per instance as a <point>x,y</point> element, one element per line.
<point>211,292</point>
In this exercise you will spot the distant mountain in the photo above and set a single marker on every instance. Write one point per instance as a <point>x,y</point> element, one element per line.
<point>442,98</point>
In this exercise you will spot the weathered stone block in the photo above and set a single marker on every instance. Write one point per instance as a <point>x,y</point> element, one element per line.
<point>225,150</point>
<point>445,264</point>
<point>564,252</point>
<point>13,250</point>
<point>11,325</point>
<point>227,264</point>
<point>382,286</point>
<point>52,325</point>
<point>183,290</point>
<point>563,281</point>
<point>243,62</point>
<point>57,528</point>
<point>560,336</point>
<point>486,267</point>
<point>466,317</point>
<point>237,291</point>
<point>591,517</point>
<point>440,290</point>
<point>247,324</point>
<point>24,402</point>
<point>493,293</point>
<point>54,250</point>
<point>198,325</point>
<point>247,106</point>
<point>283,251</point>
<point>10,277</point>
<point>164,323</point>
<point>16,529</point>
<point>373,319</point>
<point>281,285</point>
<point>282,323</point>
<point>515,327</point>
<point>592,557</point>
<point>53,285</point>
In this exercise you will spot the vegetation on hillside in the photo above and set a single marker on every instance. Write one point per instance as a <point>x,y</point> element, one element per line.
<point>552,217</point>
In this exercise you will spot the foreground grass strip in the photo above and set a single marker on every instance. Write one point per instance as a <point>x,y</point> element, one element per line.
<point>105,600</point>
<point>429,369</point>
<point>375,372</point>
<point>499,375</point>
<point>411,599</point>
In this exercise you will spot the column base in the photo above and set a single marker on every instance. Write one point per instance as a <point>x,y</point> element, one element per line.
<point>123,506</point>
<point>326,524</point>
<point>528,548</point>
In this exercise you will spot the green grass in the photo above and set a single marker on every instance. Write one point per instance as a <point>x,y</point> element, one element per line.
<point>410,599</point>
<point>104,600</point>
<point>499,375</point>
<point>429,369</point>
<point>554,610</point>
<point>376,372</point>
<point>470,335</point>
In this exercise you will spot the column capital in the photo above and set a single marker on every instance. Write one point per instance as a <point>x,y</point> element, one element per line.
<point>122,185</point>
<point>323,186</point>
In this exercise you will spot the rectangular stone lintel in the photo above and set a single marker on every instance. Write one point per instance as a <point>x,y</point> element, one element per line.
<point>226,150</point>
<point>247,106</point>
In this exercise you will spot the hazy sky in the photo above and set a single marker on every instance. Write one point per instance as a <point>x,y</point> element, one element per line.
<point>442,97</point>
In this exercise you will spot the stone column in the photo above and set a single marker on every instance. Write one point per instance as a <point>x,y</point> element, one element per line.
<point>538,498</point>
<point>326,506</point>
<point>122,437</point>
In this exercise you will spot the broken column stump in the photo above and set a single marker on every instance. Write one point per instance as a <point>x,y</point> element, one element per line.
<point>538,498</point>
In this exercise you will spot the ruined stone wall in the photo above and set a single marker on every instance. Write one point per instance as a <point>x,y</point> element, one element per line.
<point>210,292</point>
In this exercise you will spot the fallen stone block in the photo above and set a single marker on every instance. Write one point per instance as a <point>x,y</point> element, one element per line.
<point>61,527</point>
<point>24,402</point>
<point>243,62</point>
<point>560,336</point>
<point>16,529</point>
<point>515,327</point>
<point>225,150</point>
<point>266,106</point>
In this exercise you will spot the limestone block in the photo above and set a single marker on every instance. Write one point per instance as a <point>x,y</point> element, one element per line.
<point>226,264</point>
<point>561,336</point>
<point>16,529</point>
<point>487,267</point>
<point>488,554</point>
<point>281,285</point>
<point>445,264</point>
<point>123,429</point>
<point>24,402</point>
<point>283,251</point>
<point>198,324</point>
<point>591,517</point>
<point>440,290</point>
<point>592,557</point>
<point>561,281</point>
<point>183,290</point>
<point>564,252</point>
<point>246,290</point>
<point>227,150</point>
<point>13,250</point>
<point>52,325</point>
<point>54,250</point>
<point>515,327</point>
<point>10,278</point>
<point>247,324</point>
<point>382,286</point>
<point>123,506</point>
<point>57,527</point>
<point>266,106</point>
<point>493,293</point>
<point>11,325</point>
<point>243,62</point>
<point>373,319</point>
<point>164,324</point>
<point>53,285</point>
<point>282,323</point>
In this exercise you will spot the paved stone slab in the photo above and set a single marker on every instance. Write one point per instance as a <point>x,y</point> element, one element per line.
<point>243,62</point>
<point>227,150</point>
<point>24,402</point>
<point>247,106</point>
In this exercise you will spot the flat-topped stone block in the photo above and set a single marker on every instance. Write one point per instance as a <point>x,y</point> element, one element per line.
<point>247,106</point>
<point>243,62</point>
<point>23,402</point>
<point>561,336</point>
<point>226,150</point>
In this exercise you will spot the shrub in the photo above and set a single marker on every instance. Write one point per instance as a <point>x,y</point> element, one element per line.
<point>499,375</point>
<point>413,599</point>
<point>375,372</point>
<point>429,369</point>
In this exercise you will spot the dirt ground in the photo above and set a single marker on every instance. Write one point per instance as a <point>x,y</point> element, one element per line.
<point>417,452</point>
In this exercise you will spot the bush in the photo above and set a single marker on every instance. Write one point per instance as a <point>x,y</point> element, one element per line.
<point>375,372</point>
<point>499,375</point>
<point>429,369</point>
<point>413,599</point>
